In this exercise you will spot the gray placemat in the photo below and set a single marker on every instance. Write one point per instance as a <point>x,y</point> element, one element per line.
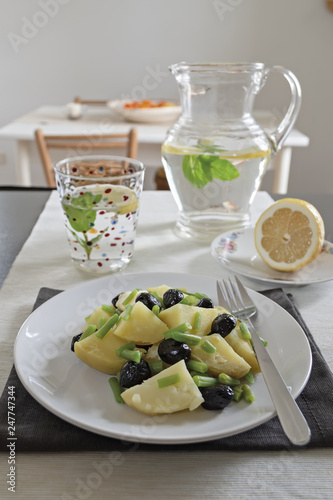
<point>37,429</point>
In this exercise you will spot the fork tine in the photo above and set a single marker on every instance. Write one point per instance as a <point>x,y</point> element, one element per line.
<point>224,294</point>
<point>243,293</point>
<point>236,295</point>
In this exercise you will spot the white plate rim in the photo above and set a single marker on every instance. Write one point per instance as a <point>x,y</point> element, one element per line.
<point>135,434</point>
<point>229,264</point>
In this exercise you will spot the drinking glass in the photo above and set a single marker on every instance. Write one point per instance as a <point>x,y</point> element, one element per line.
<point>100,198</point>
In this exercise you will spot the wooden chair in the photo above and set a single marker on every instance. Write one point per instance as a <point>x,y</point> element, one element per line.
<point>81,145</point>
<point>90,102</point>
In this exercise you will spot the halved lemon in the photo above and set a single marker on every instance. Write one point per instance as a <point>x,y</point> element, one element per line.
<point>289,234</point>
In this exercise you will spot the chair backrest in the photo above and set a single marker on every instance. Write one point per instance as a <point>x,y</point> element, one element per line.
<point>81,145</point>
<point>90,102</point>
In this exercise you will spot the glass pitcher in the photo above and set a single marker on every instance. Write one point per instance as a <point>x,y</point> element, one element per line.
<point>216,154</point>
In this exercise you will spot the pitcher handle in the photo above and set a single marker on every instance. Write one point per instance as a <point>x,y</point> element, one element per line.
<point>279,135</point>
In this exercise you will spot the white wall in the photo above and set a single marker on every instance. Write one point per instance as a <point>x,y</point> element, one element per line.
<point>105,49</point>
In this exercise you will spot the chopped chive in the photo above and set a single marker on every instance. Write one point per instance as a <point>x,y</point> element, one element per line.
<point>208,347</point>
<point>204,381</point>
<point>238,393</point>
<point>169,380</point>
<point>130,346</point>
<point>158,297</point>
<point>249,377</point>
<point>197,320</point>
<point>156,310</point>
<point>186,338</point>
<point>107,326</point>
<point>182,328</point>
<point>108,309</point>
<point>88,331</point>
<point>197,366</point>
<point>101,322</point>
<point>244,331</point>
<point>156,367</point>
<point>116,389</point>
<point>247,393</point>
<point>225,379</point>
<point>131,355</point>
<point>130,296</point>
<point>128,310</point>
<point>87,317</point>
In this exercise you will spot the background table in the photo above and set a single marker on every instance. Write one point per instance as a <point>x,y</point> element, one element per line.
<point>136,474</point>
<point>98,119</point>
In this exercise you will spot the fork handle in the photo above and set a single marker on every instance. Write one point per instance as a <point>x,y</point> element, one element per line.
<point>291,418</point>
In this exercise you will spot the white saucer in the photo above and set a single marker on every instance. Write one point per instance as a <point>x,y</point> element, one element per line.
<point>236,250</point>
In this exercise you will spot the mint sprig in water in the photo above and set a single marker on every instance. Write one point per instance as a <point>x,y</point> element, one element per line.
<point>81,216</point>
<point>201,169</point>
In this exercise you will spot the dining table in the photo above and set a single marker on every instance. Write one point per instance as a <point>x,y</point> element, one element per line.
<point>49,457</point>
<point>53,120</point>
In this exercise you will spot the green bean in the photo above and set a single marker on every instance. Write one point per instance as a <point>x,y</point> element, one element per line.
<point>197,320</point>
<point>204,381</point>
<point>247,393</point>
<point>186,338</point>
<point>249,377</point>
<point>156,367</point>
<point>244,331</point>
<point>225,379</point>
<point>109,309</point>
<point>182,328</point>
<point>107,326</point>
<point>208,347</point>
<point>198,366</point>
<point>129,345</point>
<point>238,393</point>
<point>116,389</point>
<point>169,380</point>
<point>88,331</point>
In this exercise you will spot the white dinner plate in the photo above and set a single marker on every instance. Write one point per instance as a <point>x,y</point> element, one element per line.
<point>236,251</point>
<point>164,114</point>
<point>58,380</point>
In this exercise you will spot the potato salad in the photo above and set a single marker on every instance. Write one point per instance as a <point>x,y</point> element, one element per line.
<point>168,349</point>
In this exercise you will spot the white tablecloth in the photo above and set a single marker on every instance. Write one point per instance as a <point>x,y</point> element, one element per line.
<point>44,261</point>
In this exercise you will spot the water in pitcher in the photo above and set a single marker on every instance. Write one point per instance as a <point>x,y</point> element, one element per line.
<point>213,189</point>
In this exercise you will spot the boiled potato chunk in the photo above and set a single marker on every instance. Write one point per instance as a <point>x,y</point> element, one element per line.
<point>142,327</point>
<point>150,399</point>
<point>243,348</point>
<point>224,360</point>
<point>182,313</point>
<point>94,317</point>
<point>101,354</point>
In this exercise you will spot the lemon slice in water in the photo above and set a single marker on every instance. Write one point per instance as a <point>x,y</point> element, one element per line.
<point>289,234</point>
<point>122,199</point>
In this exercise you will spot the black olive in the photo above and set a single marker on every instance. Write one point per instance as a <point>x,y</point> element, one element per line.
<point>134,373</point>
<point>171,351</point>
<point>216,397</point>
<point>205,302</point>
<point>148,300</point>
<point>171,297</point>
<point>115,299</point>
<point>76,338</point>
<point>223,324</point>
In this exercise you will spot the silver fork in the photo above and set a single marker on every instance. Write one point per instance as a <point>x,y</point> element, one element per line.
<point>235,298</point>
